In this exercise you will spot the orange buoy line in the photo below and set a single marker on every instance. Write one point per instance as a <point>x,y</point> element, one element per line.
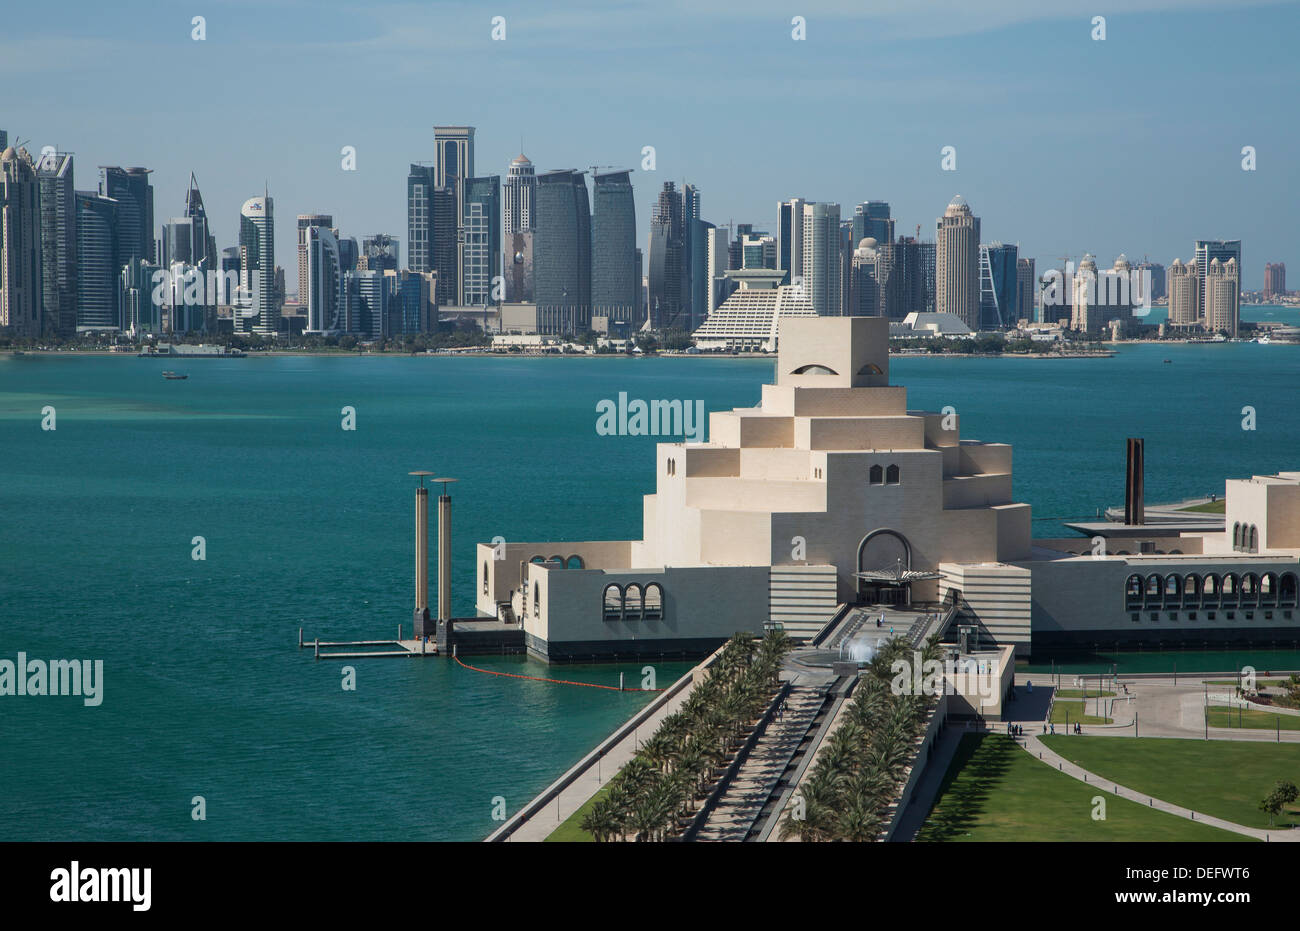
<point>514,675</point>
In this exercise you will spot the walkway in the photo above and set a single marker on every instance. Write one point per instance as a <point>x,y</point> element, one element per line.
<point>757,777</point>
<point>1050,757</point>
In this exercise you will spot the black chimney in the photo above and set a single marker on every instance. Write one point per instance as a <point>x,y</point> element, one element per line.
<point>1134,512</point>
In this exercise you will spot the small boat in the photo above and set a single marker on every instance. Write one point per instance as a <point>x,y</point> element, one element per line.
<point>1168,361</point>
<point>172,376</point>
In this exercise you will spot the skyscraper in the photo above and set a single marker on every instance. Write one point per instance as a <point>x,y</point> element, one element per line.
<point>562,253</point>
<point>957,242</point>
<point>97,271</point>
<point>257,311</point>
<point>431,230</point>
<point>1155,273</point>
<point>20,246</point>
<point>1275,279</point>
<point>871,219</point>
<point>718,260</point>
<point>1184,289</point>
<point>131,189</point>
<point>481,248</point>
<point>694,297</point>
<point>998,286</point>
<point>305,222</point>
<point>58,244</point>
<point>821,257</point>
<point>322,285</point>
<point>758,250</point>
<point>454,166</point>
<point>666,255</point>
<point>1207,250</point>
<point>520,194</point>
<point>381,252</point>
<point>1222,296</point>
<point>1026,289</point>
<point>790,237</point>
<point>864,299</point>
<point>188,251</point>
<point>614,282</point>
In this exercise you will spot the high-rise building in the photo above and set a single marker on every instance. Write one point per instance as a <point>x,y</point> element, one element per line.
<point>454,166</point>
<point>1026,289</point>
<point>4,140</point>
<point>614,281</point>
<point>141,314</point>
<point>1099,297</point>
<point>717,261</point>
<point>380,252</point>
<point>431,229</point>
<point>229,282</point>
<point>131,189</point>
<point>821,257</point>
<point>694,295</point>
<point>666,255</point>
<point>871,220</point>
<point>411,306</point>
<point>1153,272</point>
<point>519,267</point>
<point>1275,279</point>
<point>322,285</point>
<point>790,237</point>
<point>187,250</point>
<point>58,244</point>
<point>97,271</point>
<point>562,253</point>
<point>481,246</point>
<point>742,230</point>
<point>1184,289</point>
<point>20,246</point>
<point>520,194</point>
<point>998,281</point>
<point>864,298</point>
<point>1207,250</point>
<point>957,243</point>
<point>366,295</point>
<point>257,311</point>
<point>758,250</point>
<point>305,222</point>
<point>1222,296</point>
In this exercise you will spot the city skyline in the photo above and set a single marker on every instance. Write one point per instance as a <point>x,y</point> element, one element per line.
<point>1098,167</point>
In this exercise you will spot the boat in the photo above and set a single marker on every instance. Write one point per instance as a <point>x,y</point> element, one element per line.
<point>1168,361</point>
<point>172,376</point>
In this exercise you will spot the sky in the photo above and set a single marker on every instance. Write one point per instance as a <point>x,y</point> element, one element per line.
<point>1064,143</point>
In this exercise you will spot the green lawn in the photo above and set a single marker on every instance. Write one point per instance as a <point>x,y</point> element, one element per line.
<point>1082,693</point>
<point>1222,778</point>
<point>1252,719</point>
<point>995,791</point>
<point>1067,712</point>
<point>571,830</point>
<point>1210,507</point>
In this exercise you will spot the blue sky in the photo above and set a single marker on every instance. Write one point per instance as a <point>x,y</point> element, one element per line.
<point>1064,144</point>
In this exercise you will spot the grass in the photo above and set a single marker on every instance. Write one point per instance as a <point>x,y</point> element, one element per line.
<point>995,791</point>
<point>1082,693</point>
<point>1210,507</point>
<point>1068,712</point>
<point>571,832</point>
<point>1252,719</point>
<point>1227,779</point>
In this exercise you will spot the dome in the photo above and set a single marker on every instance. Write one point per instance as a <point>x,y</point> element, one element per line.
<point>1088,260</point>
<point>8,155</point>
<point>520,159</point>
<point>1214,262</point>
<point>867,243</point>
<point>957,207</point>
<point>1178,263</point>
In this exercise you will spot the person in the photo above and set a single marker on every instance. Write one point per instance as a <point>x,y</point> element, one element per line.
<point>1053,730</point>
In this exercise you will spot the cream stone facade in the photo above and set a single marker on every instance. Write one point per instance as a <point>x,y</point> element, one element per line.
<point>775,517</point>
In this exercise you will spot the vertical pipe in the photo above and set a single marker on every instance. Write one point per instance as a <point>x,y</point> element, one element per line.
<point>421,550</point>
<point>444,557</point>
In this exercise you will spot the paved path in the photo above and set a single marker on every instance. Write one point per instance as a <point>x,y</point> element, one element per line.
<point>756,778</point>
<point>1039,750</point>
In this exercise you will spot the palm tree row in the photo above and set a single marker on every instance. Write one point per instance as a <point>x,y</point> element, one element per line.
<point>656,794</point>
<point>861,768</point>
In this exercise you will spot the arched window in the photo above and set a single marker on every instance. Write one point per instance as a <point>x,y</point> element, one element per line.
<point>1254,539</point>
<point>1268,590</point>
<point>1236,536</point>
<point>1173,591</point>
<point>1210,592</point>
<point>612,600</point>
<point>877,475</point>
<point>538,559</point>
<point>1286,590</point>
<point>891,475</point>
<point>632,603</point>
<point>654,602</point>
<point>558,560</point>
<point>573,562</point>
<point>1249,590</point>
<point>1154,584</point>
<point>537,600</point>
<point>1192,591</point>
<point>1228,593</point>
<point>485,582</point>
<point>814,370</point>
<point>1133,591</point>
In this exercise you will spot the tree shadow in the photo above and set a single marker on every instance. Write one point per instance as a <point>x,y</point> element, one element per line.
<point>978,767</point>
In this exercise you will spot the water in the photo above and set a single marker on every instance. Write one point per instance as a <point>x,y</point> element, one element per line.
<point>308,525</point>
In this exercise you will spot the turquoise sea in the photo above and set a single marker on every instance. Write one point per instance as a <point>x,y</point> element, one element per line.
<point>308,525</point>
